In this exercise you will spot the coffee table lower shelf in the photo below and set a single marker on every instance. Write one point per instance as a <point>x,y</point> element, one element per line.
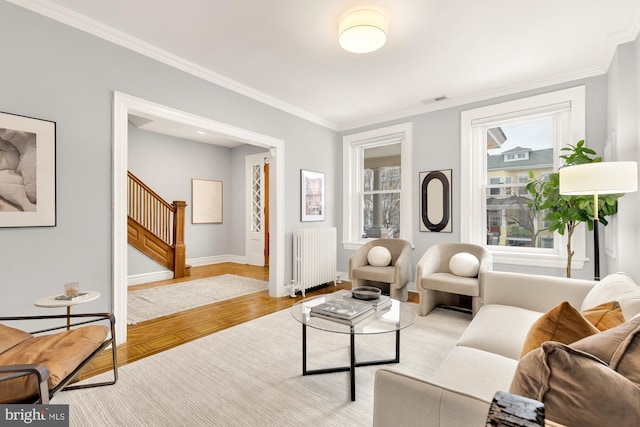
<point>353,364</point>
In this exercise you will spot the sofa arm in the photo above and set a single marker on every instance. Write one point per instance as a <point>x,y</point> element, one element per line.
<point>533,292</point>
<point>403,400</point>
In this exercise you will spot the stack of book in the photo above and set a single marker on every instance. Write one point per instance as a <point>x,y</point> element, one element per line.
<point>343,310</point>
<point>380,303</point>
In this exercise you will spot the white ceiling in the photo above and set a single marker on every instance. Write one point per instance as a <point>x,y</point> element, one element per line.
<point>285,52</point>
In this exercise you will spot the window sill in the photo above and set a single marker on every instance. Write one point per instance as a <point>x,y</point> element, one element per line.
<point>536,260</point>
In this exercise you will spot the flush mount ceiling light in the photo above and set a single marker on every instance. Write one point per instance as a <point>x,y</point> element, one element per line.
<point>362,31</point>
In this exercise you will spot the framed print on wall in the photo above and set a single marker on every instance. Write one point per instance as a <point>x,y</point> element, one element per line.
<point>206,201</point>
<point>27,171</point>
<point>312,196</point>
<point>435,201</point>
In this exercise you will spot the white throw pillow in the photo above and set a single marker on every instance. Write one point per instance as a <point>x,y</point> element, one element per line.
<point>464,264</point>
<point>615,287</point>
<point>379,256</point>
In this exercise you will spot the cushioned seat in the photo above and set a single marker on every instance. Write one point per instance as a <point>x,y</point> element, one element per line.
<point>390,273</point>
<point>448,282</point>
<point>448,270</point>
<point>61,353</point>
<point>33,367</point>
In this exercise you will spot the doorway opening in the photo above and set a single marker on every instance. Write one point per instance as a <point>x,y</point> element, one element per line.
<point>123,105</point>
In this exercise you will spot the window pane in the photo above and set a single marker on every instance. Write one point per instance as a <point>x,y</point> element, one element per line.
<point>381,191</point>
<point>381,215</point>
<point>514,150</point>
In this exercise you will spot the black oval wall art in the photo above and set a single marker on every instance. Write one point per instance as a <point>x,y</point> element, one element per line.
<point>435,201</point>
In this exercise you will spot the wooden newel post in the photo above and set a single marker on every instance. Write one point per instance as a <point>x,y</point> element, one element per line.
<point>180,253</point>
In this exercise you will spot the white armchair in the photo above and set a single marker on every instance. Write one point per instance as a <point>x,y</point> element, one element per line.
<point>436,283</point>
<point>391,279</point>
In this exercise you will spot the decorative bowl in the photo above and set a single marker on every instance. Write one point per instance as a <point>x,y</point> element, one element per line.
<point>366,292</point>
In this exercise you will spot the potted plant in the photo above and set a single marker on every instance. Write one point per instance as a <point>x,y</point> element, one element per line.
<point>564,213</point>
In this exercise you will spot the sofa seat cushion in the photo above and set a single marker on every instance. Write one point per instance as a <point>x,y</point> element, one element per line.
<point>577,388</point>
<point>499,329</point>
<point>61,353</point>
<point>448,282</point>
<point>376,274</point>
<point>475,372</point>
<point>10,337</point>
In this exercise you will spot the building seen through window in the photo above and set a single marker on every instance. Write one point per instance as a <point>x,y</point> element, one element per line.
<point>512,151</point>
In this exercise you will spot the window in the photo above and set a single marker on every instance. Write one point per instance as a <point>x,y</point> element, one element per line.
<point>377,194</point>
<point>501,144</point>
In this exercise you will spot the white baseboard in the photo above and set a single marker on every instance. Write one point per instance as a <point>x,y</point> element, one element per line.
<point>156,276</point>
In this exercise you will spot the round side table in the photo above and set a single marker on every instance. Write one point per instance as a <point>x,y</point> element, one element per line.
<point>52,302</point>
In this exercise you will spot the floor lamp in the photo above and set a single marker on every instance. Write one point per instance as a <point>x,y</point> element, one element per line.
<point>594,179</point>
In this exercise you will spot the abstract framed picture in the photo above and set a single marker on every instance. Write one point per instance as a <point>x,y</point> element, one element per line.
<point>312,196</point>
<point>206,201</point>
<point>435,201</point>
<point>27,171</point>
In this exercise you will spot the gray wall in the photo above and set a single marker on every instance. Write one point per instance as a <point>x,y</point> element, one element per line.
<point>436,145</point>
<point>54,72</point>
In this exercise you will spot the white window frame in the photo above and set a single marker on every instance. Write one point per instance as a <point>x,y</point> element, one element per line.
<point>473,172</point>
<point>353,164</point>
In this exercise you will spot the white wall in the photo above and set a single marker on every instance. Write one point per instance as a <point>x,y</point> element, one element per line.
<point>54,72</point>
<point>623,119</point>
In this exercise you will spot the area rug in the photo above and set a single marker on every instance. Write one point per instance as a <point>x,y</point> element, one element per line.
<point>250,375</point>
<point>147,304</point>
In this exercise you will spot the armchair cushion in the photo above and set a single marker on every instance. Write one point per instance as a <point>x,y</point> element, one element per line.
<point>61,353</point>
<point>379,256</point>
<point>570,382</point>
<point>376,274</point>
<point>447,282</point>
<point>464,264</point>
<point>10,337</point>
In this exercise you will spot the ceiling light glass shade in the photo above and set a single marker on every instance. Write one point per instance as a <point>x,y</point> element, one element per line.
<point>362,31</point>
<point>599,178</point>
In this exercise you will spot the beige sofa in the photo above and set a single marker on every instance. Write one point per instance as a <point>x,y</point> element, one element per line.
<point>486,357</point>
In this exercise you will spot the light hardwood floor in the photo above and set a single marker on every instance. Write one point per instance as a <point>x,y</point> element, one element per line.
<point>154,336</point>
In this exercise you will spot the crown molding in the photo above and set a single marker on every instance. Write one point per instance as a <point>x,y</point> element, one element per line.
<point>91,26</point>
<point>98,29</point>
<point>481,96</point>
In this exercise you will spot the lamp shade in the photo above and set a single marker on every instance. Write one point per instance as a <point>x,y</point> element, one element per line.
<point>599,178</point>
<point>362,31</point>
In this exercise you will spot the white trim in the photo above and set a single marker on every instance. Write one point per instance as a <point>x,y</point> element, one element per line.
<point>472,171</point>
<point>123,105</point>
<point>403,133</point>
<point>141,279</point>
<point>156,276</point>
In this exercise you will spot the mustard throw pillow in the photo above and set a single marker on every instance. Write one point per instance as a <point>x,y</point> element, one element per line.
<point>563,324</point>
<point>605,316</point>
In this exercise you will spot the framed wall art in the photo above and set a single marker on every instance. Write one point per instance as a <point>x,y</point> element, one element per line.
<point>27,171</point>
<point>206,201</point>
<point>435,201</point>
<point>312,196</point>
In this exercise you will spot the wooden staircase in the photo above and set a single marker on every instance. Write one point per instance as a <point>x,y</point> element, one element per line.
<point>156,228</point>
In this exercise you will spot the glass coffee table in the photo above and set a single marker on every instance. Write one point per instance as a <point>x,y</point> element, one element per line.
<point>391,319</point>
